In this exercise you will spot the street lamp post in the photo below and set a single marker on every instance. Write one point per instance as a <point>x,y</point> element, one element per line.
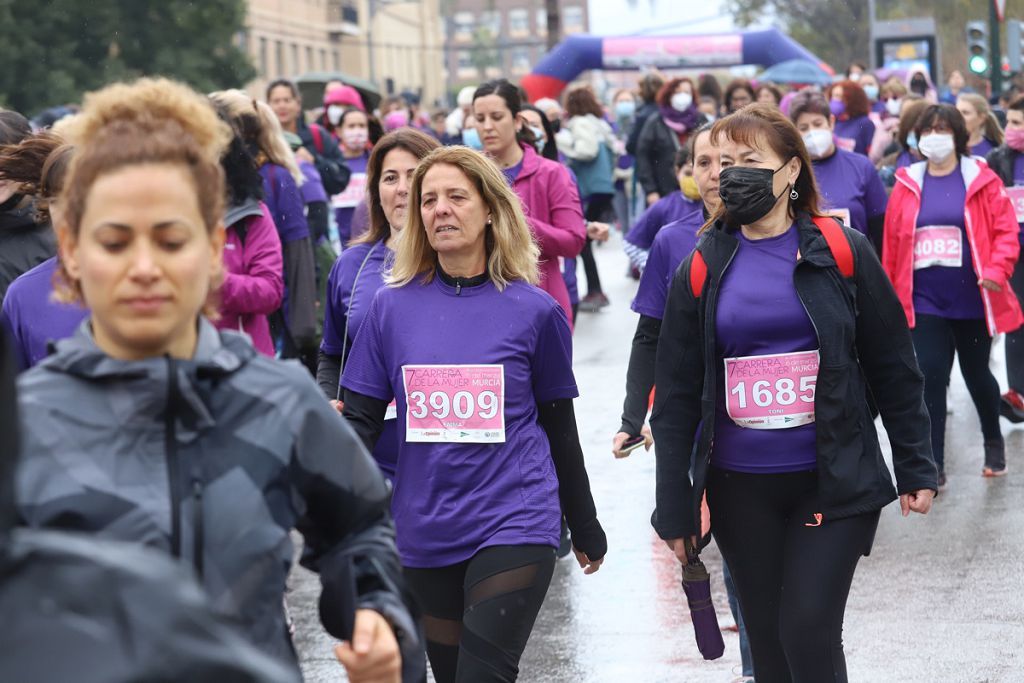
<point>996,61</point>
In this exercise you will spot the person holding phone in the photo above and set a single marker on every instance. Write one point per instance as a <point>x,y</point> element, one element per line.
<point>771,350</point>
<point>479,362</point>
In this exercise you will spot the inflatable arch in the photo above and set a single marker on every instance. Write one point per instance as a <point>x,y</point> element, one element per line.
<point>577,53</point>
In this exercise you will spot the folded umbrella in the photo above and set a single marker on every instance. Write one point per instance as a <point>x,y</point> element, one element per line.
<point>697,586</point>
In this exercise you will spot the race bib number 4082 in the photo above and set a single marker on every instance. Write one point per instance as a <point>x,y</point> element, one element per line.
<point>454,403</point>
<point>771,391</point>
<point>938,245</point>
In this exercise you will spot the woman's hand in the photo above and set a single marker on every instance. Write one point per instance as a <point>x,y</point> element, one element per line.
<point>678,546</point>
<point>598,231</point>
<point>338,405</point>
<point>991,286</point>
<point>373,655</point>
<point>652,197</point>
<point>620,438</point>
<point>588,566</point>
<point>917,501</point>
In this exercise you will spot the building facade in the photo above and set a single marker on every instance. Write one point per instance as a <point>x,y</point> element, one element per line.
<point>493,38</point>
<point>397,45</point>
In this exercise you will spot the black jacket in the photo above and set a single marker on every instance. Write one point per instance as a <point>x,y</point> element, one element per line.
<point>1001,160</point>
<point>24,244</point>
<point>329,162</point>
<point>656,157</point>
<point>864,343</point>
<point>642,114</point>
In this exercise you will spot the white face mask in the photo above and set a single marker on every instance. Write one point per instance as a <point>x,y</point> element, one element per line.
<point>936,146</point>
<point>893,107</point>
<point>681,101</point>
<point>334,113</point>
<point>818,142</point>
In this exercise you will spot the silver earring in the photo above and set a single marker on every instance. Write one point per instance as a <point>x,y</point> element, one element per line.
<point>794,195</point>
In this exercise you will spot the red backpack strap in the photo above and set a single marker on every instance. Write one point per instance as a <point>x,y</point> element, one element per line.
<point>698,273</point>
<point>318,139</point>
<point>838,243</point>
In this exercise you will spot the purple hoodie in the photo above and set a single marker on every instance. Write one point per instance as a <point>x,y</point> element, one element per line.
<point>33,319</point>
<point>285,203</point>
<point>253,285</point>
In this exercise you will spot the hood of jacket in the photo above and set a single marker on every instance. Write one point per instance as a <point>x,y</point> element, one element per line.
<point>20,217</point>
<point>236,212</point>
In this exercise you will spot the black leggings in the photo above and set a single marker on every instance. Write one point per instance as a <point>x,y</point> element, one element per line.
<point>792,571</point>
<point>935,341</point>
<point>479,613</point>
<point>598,208</point>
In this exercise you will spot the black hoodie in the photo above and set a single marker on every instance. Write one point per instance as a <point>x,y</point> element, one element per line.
<point>24,244</point>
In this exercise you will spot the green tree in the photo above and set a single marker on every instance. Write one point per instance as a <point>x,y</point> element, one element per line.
<point>52,52</point>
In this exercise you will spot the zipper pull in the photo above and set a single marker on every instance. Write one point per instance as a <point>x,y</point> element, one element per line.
<point>458,287</point>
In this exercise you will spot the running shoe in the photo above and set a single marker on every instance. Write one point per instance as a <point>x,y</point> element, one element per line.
<point>594,302</point>
<point>995,459</point>
<point>1011,406</point>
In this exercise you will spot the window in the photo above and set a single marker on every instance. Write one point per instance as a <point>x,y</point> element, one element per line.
<point>465,68</point>
<point>295,58</point>
<point>521,60</point>
<point>336,60</point>
<point>492,22</point>
<point>263,57</point>
<point>309,59</point>
<point>542,22</point>
<point>464,26</point>
<point>323,59</point>
<point>518,23</point>
<point>279,58</point>
<point>572,19</point>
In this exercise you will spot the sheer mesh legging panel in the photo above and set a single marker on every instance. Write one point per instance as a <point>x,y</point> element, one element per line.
<point>479,613</point>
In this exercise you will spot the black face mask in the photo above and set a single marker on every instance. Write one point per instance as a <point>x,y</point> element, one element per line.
<point>556,125</point>
<point>918,86</point>
<point>748,193</point>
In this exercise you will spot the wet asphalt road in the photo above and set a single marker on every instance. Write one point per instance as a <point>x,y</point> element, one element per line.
<point>941,598</point>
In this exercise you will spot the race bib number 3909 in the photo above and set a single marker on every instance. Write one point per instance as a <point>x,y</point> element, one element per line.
<point>772,391</point>
<point>454,403</point>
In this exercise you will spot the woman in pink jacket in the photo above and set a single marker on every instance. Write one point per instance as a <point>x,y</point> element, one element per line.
<point>549,196</point>
<point>949,247</point>
<point>253,285</point>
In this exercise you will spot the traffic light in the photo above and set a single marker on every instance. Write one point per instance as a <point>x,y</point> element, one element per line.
<point>977,46</point>
<point>1014,48</point>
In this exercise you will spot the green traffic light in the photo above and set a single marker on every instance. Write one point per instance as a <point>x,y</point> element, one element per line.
<point>978,64</point>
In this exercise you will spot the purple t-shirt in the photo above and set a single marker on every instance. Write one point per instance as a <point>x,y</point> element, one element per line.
<point>849,182</point>
<point>350,299</point>
<point>283,199</point>
<point>668,209</point>
<point>313,189</point>
<point>982,148</point>
<point>512,172</point>
<point>345,201</point>
<point>453,499</point>
<point>759,313</point>
<point>672,244</point>
<point>33,319</point>
<point>947,291</point>
<point>858,131</point>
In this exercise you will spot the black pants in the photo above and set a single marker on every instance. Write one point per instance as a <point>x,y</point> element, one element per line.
<point>598,208</point>
<point>1015,340</point>
<point>479,613</point>
<point>935,341</point>
<point>792,573</point>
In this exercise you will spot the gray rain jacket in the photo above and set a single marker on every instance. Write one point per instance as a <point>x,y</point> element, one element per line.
<point>214,460</point>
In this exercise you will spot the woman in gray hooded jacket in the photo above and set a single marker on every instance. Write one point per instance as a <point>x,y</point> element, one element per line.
<point>151,426</point>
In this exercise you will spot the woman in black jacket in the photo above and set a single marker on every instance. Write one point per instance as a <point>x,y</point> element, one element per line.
<point>773,352</point>
<point>662,135</point>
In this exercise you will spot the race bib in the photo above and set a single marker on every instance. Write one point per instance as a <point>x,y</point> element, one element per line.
<point>771,392</point>
<point>938,245</point>
<point>454,403</point>
<point>846,144</point>
<point>352,194</point>
<point>841,214</point>
<point>1016,195</point>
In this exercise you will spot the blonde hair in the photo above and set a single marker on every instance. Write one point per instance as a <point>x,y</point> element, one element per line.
<point>258,127</point>
<point>512,253</point>
<point>150,121</point>
<point>990,124</point>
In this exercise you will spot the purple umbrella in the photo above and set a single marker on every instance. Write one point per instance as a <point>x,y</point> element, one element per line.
<point>697,586</point>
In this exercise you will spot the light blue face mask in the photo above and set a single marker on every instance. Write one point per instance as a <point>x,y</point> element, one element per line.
<point>912,141</point>
<point>471,139</point>
<point>538,138</point>
<point>871,91</point>
<point>624,109</point>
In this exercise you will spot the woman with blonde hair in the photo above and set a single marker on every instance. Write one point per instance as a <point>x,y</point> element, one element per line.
<point>151,426</point>
<point>478,359</point>
<point>293,326</point>
<point>983,130</point>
